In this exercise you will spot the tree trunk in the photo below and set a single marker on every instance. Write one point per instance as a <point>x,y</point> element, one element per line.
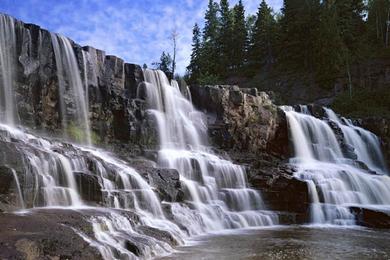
<point>349,79</point>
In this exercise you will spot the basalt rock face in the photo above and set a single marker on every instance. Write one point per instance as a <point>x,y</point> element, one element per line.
<point>242,119</point>
<point>115,113</point>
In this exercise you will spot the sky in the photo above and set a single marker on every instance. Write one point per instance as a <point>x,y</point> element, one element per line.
<point>137,31</point>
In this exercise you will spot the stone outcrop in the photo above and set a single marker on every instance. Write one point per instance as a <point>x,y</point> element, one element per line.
<point>242,119</point>
<point>371,217</point>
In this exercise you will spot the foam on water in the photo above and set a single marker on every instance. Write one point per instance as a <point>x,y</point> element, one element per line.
<point>336,180</point>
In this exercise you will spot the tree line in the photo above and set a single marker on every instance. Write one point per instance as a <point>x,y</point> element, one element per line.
<point>315,40</point>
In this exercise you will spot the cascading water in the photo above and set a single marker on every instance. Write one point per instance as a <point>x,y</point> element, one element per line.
<point>71,86</point>
<point>216,189</point>
<point>50,167</point>
<point>50,174</point>
<point>337,180</point>
<point>366,144</point>
<point>8,110</point>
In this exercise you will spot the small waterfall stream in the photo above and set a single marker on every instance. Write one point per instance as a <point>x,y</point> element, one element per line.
<point>8,110</point>
<point>337,179</point>
<point>71,87</point>
<point>214,187</point>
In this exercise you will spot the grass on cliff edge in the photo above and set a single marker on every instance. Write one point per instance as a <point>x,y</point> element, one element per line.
<point>364,103</point>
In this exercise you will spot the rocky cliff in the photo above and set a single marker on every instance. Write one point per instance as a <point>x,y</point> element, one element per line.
<point>114,111</point>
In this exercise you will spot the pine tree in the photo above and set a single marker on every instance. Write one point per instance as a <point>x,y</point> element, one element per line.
<point>225,39</point>
<point>328,47</point>
<point>240,37</point>
<point>300,28</point>
<point>352,28</point>
<point>209,53</point>
<point>165,64</point>
<point>263,42</point>
<point>195,63</point>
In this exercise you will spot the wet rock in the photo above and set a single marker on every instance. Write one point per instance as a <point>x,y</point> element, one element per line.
<point>6,179</point>
<point>158,234</point>
<point>165,181</point>
<point>133,77</point>
<point>280,190</point>
<point>371,217</point>
<point>89,187</point>
<point>45,235</point>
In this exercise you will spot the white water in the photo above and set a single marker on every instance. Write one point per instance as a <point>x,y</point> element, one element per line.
<point>366,144</point>
<point>49,169</point>
<point>217,194</point>
<point>215,188</point>
<point>8,114</point>
<point>335,181</point>
<point>71,86</point>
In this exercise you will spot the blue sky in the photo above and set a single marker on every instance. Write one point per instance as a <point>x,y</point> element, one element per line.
<point>135,30</point>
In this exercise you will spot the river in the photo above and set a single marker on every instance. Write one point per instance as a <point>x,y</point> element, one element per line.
<point>298,242</point>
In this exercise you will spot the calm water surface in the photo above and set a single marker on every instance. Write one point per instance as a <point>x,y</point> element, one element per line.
<point>289,243</point>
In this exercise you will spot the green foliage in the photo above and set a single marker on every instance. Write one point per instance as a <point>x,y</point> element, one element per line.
<point>225,39</point>
<point>240,38</point>
<point>310,42</point>
<point>194,67</point>
<point>208,79</point>
<point>364,103</point>
<point>79,135</point>
<point>209,52</point>
<point>165,63</point>
<point>262,48</point>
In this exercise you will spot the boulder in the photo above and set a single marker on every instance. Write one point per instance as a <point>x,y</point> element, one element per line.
<point>372,218</point>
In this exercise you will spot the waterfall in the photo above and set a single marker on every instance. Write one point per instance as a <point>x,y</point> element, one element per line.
<point>49,169</point>
<point>336,180</point>
<point>366,144</point>
<point>127,218</point>
<point>71,87</point>
<point>215,188</point>
<point>8,110</point>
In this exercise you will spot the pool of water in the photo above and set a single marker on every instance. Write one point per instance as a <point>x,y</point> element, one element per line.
<point>298,242</point>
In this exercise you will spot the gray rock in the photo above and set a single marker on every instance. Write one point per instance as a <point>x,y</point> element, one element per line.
<point>165,181</point>
<point>371,217</point>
